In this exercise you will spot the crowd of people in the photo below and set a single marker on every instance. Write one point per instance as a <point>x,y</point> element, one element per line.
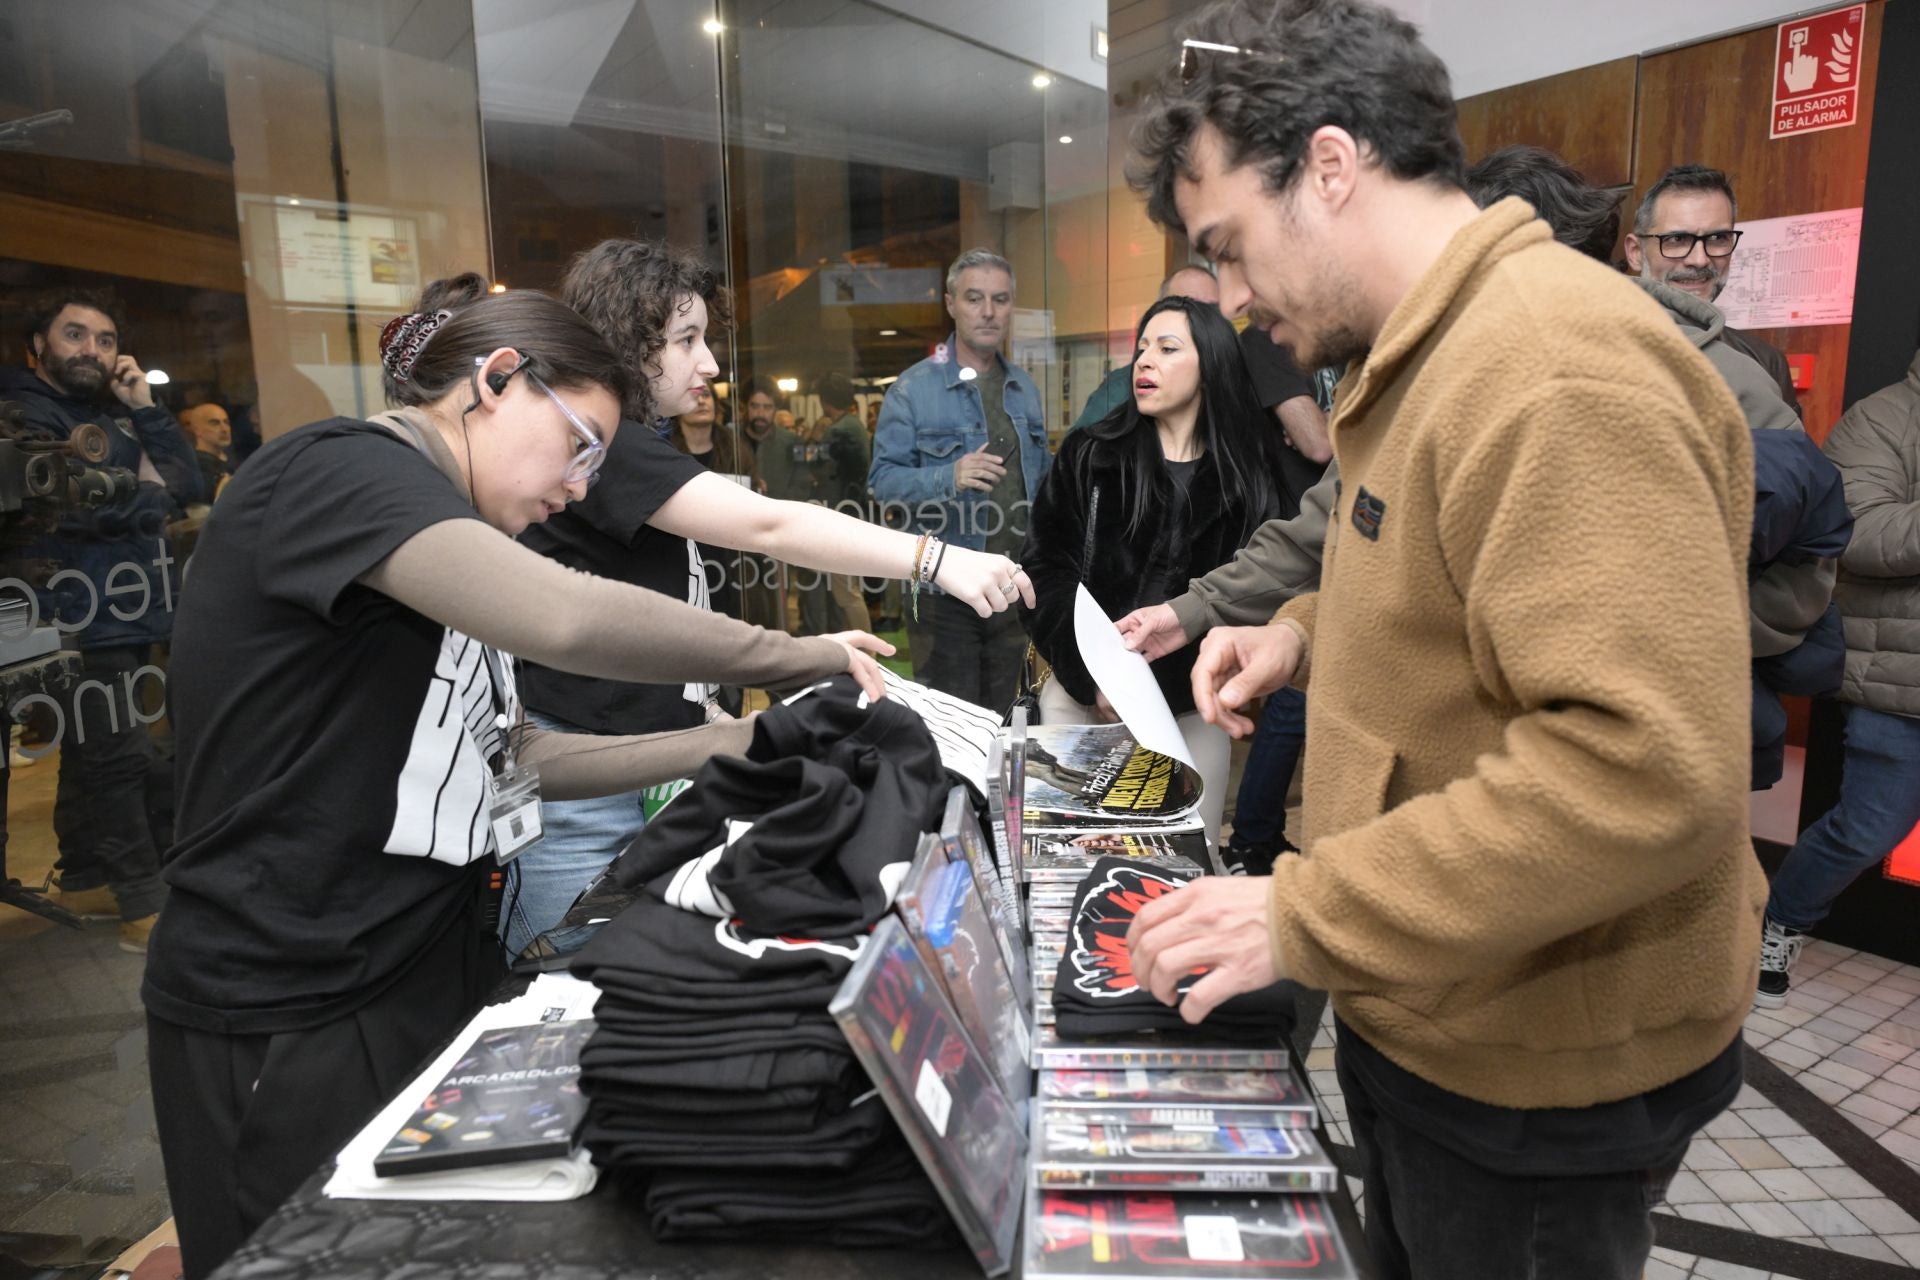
<point>1503,553</point>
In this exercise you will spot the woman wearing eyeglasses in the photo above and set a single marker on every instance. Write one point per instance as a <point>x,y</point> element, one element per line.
<point>348,733</point>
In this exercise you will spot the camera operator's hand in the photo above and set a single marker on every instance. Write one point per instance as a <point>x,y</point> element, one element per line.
<point>860,664</point>
<point>129,383</point>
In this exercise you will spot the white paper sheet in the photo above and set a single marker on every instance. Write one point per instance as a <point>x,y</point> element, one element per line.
<point>1127,680</point>
<point>560,1178</point>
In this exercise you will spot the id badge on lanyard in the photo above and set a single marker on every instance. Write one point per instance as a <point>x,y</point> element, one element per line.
<point>514,814</point>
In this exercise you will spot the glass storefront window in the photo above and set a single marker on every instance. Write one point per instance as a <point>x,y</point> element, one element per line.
<point>237,196</point>
<point>240,195</point>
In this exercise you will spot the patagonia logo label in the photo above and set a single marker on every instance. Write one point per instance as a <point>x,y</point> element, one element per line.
<point>1368,512</point>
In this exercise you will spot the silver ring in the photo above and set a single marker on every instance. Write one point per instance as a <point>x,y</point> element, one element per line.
<point>1009,590</point>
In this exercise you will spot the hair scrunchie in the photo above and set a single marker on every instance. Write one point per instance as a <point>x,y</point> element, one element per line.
<point>404,337</point>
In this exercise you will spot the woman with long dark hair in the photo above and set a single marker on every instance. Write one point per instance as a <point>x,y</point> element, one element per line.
<point>1160,491</point>
<point>350,741</point>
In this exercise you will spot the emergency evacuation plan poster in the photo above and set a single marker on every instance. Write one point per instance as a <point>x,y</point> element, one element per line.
<point>1794,271</point>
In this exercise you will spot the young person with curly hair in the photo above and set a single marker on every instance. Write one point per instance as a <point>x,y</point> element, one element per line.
<point>644,522</point>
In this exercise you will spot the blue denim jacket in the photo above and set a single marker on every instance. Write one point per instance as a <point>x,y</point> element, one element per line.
<point>930,417</point>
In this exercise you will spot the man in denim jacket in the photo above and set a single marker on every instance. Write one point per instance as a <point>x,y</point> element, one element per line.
<point>960,451</point>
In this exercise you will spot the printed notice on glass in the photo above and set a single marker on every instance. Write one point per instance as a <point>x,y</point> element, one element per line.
<point>1790,272</point>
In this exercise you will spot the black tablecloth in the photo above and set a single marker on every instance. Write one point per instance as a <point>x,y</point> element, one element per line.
<point>599,1236</point>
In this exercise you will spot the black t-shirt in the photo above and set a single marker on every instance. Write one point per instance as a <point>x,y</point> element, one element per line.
<point>1276,380</point>
<point>607,535</point>
<point>1641,1132</point>
<point>334,747</point>
<point>1182,473</point>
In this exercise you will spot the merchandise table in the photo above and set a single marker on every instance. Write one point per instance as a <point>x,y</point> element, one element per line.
<point>599,1237</point>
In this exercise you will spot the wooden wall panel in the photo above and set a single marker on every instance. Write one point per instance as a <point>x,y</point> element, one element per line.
<point>1709,104</point>
<point>1586,116</point>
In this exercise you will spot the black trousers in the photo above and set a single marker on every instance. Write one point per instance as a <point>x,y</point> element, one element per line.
<point>1435,1215</point>
<point>957,651</point>
<point>100,808</point>
<point>244,1120</point>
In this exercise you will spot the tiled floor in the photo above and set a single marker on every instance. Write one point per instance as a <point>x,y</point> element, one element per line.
<point>80,1175</point>
<point>1850,1034</point>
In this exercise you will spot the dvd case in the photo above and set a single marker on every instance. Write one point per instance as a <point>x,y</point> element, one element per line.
<point>514,1095</point>
<point>1155,1049</point>
<point>1063,858</point>
<point>962,1128</point>
<point>947,922</point>
<point>1256,1099</point>
<point>1073,1152</point>
<point>960,828</point>
<point>1143,1235</point>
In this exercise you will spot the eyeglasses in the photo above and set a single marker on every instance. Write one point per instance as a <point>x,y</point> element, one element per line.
<point>1679,244</point>
<point>585,464</point>
<point>1190,56</point>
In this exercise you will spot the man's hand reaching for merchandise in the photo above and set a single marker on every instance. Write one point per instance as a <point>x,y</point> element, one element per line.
<point>1217,923</point>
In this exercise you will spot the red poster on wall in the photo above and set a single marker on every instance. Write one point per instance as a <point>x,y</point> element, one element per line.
<point>1817,64</point>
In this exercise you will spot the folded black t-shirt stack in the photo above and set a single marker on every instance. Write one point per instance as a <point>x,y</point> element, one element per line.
<point>719,1089</point>
<point>1095,992</point>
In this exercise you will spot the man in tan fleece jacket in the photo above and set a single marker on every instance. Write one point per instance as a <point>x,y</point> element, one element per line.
<point>1528,882</point>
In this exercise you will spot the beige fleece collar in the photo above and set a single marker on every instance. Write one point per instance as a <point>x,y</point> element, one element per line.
<point>1501,229</point>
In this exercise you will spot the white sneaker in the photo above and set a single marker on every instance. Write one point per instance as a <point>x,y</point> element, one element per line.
<point>1779,948</point>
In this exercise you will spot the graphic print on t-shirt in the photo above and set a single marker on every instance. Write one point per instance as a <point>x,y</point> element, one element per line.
<point>440,805</point>
<point>699,694</point>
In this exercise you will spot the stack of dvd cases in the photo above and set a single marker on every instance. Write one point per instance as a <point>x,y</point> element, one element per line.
<point>1171,1156</point>
<point>1085,792</point>
<point>1163,1153</point>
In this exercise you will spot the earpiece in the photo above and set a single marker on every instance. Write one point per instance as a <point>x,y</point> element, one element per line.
<point>499,378</point>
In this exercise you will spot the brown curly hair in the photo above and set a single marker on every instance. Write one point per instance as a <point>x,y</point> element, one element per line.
<point>629,291</point>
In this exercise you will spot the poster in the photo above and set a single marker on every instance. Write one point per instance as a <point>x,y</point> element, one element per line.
<point>1817,63</point>
<point>1790,272</point>
<point>329,255</point>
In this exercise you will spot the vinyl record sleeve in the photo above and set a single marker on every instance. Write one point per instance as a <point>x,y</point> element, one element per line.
<point>1141,1235</point>
<point>966,1134</point>
<point>1087,774</point>
<point>1074,1153</point>
<point>1260,1099</point>
<point>514,1095</point>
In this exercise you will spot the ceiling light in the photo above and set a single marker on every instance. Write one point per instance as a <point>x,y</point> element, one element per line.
<point>295,201</point>
<point>498,287</point>
<point>889,333</point>
<point>787,385</point>
<point>1065,139</point>
<point>713,26</point>
<point>1042,80</point>
<point>157,378</point>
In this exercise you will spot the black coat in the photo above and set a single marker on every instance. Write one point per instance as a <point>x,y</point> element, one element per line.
<point>1177,541</point>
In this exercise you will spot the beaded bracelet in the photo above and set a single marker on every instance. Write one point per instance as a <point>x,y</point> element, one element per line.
<point>919,558</point>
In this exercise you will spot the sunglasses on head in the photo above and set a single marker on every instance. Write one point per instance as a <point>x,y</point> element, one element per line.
<point>1192,50</point>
